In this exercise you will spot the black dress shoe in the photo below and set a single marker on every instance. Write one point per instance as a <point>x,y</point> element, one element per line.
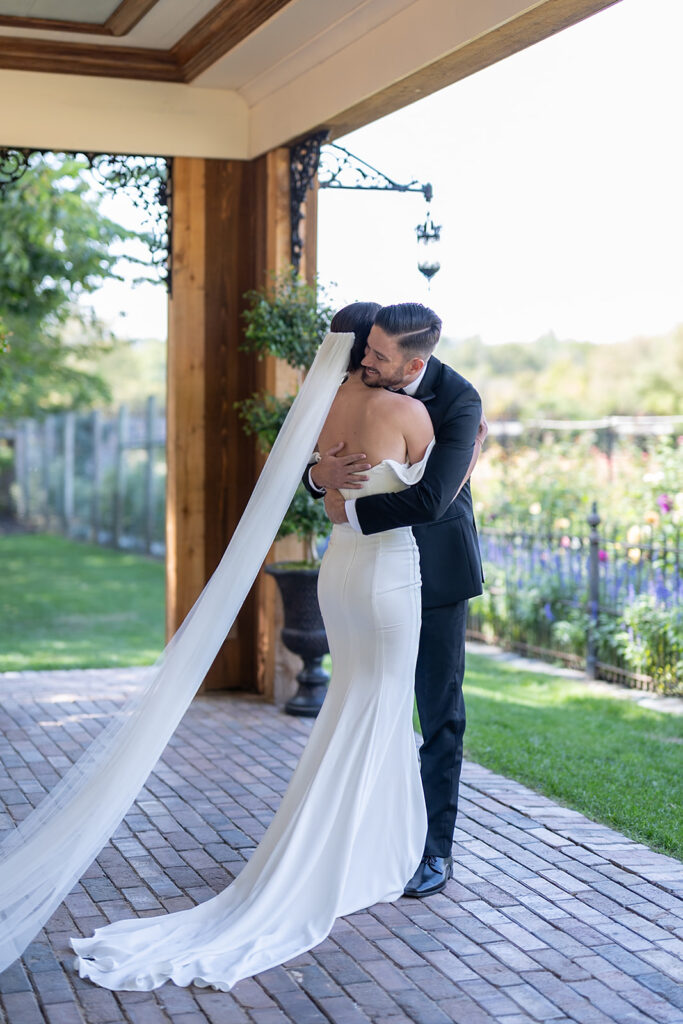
<point>431,876</point>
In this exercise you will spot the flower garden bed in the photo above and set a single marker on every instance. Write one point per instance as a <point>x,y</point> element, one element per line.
<point>533,506</point>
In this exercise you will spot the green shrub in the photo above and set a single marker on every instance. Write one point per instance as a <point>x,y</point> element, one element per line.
<point>288,319</point>
<point>650,640</point>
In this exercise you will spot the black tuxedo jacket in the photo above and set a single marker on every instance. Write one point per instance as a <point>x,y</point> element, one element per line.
<point>444,528</point>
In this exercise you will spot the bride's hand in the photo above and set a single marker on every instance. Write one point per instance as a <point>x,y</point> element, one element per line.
<point>483,429</point>
<point>335,506</point>
<point>335,470</point>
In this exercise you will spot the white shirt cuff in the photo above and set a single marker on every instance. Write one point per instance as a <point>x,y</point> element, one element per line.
<point>352,515</point>
<point>318,490</point>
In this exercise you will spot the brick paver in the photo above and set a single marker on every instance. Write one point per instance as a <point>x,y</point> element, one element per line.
<point>550,918</point>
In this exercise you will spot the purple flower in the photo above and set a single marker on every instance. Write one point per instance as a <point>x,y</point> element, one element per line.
<point>664,502</point>
<point>548,612</point>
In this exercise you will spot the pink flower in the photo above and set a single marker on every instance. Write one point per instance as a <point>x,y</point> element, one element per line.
<point>602,555</point>
<point>565,541</point>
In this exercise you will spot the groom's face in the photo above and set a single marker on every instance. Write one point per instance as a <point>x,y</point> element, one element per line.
<point>385,364</point>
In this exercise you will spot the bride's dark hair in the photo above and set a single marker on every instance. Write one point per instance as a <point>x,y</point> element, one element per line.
<point>357,318</point>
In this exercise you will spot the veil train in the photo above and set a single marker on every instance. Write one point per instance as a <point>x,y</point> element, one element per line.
<point>47,853</point>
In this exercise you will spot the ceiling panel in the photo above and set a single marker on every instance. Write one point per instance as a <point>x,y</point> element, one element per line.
<point>95,11</point>
<point>160,29</point>
<point>301,36</point>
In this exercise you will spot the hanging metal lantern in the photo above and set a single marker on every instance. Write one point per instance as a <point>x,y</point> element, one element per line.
<point>428,247</point>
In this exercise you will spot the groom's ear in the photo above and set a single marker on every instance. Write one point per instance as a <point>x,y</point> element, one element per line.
<point>415,366</point>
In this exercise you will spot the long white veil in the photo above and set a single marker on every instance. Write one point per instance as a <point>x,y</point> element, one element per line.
<point>46,854</point>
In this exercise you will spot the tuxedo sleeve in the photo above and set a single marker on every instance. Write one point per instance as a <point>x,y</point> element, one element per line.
<point>314,491</point>
<point>428,500</point>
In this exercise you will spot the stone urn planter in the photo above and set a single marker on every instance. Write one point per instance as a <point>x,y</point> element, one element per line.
<point>303,634</point>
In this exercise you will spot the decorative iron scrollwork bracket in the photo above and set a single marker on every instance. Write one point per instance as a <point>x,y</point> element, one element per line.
<point>341,169</point>
<point>304,157</point>
<point>336,168</point>
<point>148,179</point>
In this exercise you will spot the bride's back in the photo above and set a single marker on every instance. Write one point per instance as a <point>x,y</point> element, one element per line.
<point>377,422</point>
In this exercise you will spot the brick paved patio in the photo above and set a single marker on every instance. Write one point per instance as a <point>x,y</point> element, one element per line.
<point>550,917</point>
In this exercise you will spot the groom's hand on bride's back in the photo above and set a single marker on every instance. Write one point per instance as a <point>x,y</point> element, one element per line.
<point>335,470</point>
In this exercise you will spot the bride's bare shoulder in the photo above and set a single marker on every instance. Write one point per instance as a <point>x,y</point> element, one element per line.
<point>411,410</point>
<point>416,426</point>
<point>403,412</point>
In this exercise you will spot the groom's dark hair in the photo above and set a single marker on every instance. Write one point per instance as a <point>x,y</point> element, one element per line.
<point>416,327</point>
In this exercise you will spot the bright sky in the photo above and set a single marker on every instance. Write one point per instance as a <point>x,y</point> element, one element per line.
<point>557,179</point>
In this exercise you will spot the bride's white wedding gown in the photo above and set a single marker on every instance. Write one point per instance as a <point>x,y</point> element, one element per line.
<point>351,826</point>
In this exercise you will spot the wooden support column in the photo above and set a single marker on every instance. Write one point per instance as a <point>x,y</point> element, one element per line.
<point>278,379</point>
<point>230,229</point>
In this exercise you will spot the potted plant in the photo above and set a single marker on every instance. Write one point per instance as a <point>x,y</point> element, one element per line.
<point>288,319</point>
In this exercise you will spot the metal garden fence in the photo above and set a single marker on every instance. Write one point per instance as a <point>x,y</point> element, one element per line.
<point>94,477</point>
<point>591,599</point>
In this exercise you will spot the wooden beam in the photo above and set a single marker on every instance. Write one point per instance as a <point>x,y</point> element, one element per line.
<point>309,229</point>
<point>127,15</point>
<point>19,54</point>
<point>185,494</point>
<point>231,460</point>
<point>231,226</point>
<point>540,22</point>
<point>274,665</point>
<point>226,25</point>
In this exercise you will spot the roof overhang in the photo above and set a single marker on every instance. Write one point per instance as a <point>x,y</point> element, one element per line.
<point>241,77</point>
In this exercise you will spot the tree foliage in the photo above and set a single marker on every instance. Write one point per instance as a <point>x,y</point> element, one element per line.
<point>548,378</point>
<point>56,246</point>
<point>134,369</point>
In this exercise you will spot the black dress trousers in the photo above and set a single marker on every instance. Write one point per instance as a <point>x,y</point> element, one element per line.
<point>441,707</point>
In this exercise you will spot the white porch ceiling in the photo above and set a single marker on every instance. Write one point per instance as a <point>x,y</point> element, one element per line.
<point>96,11</point>
<point>301,36</point>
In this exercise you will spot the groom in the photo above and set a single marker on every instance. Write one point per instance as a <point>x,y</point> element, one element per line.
<point>398,356</point>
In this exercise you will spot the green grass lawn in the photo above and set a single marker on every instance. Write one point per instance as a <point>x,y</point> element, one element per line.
<point>70,605</point>
<point>604,756</point>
